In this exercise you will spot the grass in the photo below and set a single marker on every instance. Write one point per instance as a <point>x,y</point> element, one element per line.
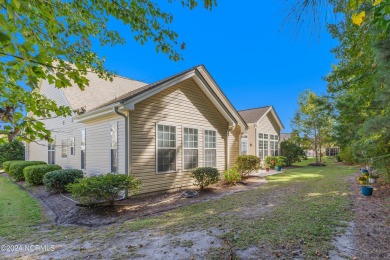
<point>19,212</point>
<point>307,204</point>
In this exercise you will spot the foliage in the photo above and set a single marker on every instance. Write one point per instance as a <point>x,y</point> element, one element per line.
<point>11,151</point>
<point>247,163</point>
<point>270,161</point>
<point>103,188</point>
<point>56,181</point>
<point>346,155</point>
<point>20,213</point>
<point>16,169</point>
<point>34,174</point>
<point>280,161</point>
<point>232,176</point>
<point>205,176</point>
<point>7,164</point>
<point>54,40</point>
<point>292,152</point>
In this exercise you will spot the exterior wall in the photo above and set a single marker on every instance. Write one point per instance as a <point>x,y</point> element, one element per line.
<point>234,144</point>
<point>252,139</point>
<point>183,105</point>
<point>98,140</point>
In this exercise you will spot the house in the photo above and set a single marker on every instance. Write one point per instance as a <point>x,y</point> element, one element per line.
<point>158,132</point>
<point>262,136</point>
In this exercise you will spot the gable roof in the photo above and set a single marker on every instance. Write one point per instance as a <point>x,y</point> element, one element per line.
<point>254,115</point>
<point>199,74</point>
<point>99,91</point>
<point>285,136</point>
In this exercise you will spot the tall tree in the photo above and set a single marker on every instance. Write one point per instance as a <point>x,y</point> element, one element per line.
<point>54,40</point>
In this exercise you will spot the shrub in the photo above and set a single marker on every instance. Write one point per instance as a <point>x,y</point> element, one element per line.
<point>104,188</point>
<point>56,181</point>
<point>292,152</point>
<point>11,152</point>
<point>205,176</point>
<point>232,176</point>
<point>16,169</point>
<point>346,155</point>
<point>280,161</point>
<point>271,161</point>
<point>34,174</point>
<point>7,164</point>
<point>247,163</point>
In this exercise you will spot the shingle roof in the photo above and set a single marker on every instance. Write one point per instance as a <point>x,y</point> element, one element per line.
<point>142,89</point>
<point>254,114</point>
<point>100,91</point>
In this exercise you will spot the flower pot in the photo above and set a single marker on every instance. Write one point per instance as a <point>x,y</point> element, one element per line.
<point>278,168</point>
<point>371,180</point>
<point>364,171</point>
<point>367,190</point>
<point>267,169</point>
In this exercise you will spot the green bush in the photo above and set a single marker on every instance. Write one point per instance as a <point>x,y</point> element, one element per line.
<point>11,152</point>
<point>232,176</point>
<point>205,176</point>
<point>271,161</point>
<point>16,169</point>
<point>7,164</point>
<point>247,163</point>
<point>103,188</point>
<point>293,153</point>
<point>346,155</point>
<point>280,161</point>
<point>56,181</point>
<point>34,174</point>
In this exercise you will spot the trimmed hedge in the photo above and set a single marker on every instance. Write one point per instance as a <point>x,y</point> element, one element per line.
<point>56,181</point>
<point>205,176</point>
<point>11,151</point>
<point>34,174</point>
<point>16,169</point>
<point>7,164</point>
<point>247,163</point>
<point>103,188</point>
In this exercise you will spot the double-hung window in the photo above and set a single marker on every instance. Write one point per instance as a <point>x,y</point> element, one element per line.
<point>114,147</point>
<point>72,151</point>
<point>51,153</point>
<point>263,145</point>
<point>274,146</point>
<point>210,148</point>
<point>244,145</point>
<point>83,155</point>
<point>64,148</point>
<point>190,145</point>
<point>166,148</point>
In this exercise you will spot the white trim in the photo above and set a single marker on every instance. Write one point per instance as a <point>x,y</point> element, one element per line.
<point>104,111</point>
<point>116,124</point>
<point>156,145</point>
<point>183,148</point>
<point>74,146</point>
<point>204,146</point>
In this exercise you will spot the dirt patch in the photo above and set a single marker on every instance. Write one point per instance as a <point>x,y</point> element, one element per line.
<point>62,210</point>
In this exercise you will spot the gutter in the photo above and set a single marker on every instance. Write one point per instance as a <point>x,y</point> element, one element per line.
<point>126,144</point>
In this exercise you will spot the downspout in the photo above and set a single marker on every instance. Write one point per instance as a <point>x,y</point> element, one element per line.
<point>126,144</point>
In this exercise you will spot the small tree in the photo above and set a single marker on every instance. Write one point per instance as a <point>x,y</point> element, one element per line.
<point>291,151</point>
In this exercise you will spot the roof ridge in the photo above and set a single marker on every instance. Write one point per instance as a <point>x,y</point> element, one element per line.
<point>253,108</point>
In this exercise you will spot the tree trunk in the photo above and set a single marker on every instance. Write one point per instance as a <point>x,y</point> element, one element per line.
<point>319,144</point>
<point>315,144</point>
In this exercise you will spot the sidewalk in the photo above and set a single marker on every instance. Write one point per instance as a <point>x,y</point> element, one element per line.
<point>263,173</point>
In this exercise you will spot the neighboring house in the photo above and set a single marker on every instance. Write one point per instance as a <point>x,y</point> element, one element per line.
<point>285,136</point>
<point>157,132</point>
<point>330,151</point>
<point>262,137</point>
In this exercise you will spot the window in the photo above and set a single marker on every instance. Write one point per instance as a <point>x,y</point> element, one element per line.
<point>51,153</point>
<point>114,147</point>
<point>166,148</point>
<point>64,148</point>
<point>190,145</point>
<point>83,155</point>
<point>210,148</point>
<point>244,145</point>
<point>72,151</point>
<point>274,145</point>
<point>263,145</point>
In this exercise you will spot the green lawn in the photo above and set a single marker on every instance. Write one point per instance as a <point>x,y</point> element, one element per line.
<point>19,212</point>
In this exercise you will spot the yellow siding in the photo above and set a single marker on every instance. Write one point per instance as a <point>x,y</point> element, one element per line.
<point>183,105</point>
<point>234,144</point>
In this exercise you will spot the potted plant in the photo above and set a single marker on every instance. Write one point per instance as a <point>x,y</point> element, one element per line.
<point>366,188</point>
<point>278,167</point>
<point>280,162</point>
<point>372,178</point>
<point>266,167</point>
<point>361,179</point>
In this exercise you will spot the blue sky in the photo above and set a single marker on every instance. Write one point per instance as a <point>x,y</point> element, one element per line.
<point>254,60</point>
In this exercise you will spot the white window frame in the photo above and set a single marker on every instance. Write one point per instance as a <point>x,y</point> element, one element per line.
<point>204,147</point>
<point>115,125</point>
<point>64,148</point>
<point>72,146</point>
<point>275,144</point>
<point>199,140</point>
<point>157,148</point>
<point>244,138</point>
<point>265,141</point>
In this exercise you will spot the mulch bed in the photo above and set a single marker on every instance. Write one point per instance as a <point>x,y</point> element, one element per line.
<point>372,223</point>
<point>62,210</point>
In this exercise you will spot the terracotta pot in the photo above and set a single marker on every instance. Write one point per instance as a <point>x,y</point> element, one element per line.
<point>267,169</point>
